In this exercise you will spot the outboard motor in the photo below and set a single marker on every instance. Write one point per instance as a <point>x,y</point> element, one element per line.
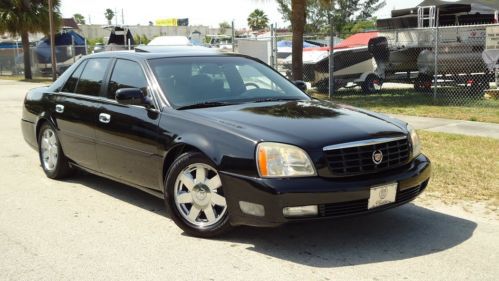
<point>491,59</point>
<point>378,47</point>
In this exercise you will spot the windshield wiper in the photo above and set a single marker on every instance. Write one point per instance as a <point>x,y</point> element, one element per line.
<point>205,104</point>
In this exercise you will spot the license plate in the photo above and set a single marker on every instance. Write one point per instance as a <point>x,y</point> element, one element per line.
<point>382,195</point>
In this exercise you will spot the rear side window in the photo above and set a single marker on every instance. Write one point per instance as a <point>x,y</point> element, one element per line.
<point>70,85</point>
<point>91,79</point>
<point>126,74</point>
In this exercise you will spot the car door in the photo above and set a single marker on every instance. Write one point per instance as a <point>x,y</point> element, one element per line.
<point>75,111</point>
<point>126,135</point>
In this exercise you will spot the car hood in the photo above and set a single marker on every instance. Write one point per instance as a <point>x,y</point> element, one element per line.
<point>310,124</point>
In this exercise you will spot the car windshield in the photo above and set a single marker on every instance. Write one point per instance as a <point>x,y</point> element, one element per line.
<point>190,82</point>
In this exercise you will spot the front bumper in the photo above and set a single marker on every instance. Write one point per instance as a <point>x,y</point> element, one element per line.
<point>334,197</point>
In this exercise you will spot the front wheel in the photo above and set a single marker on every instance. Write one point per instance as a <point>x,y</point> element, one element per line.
<point>195,197</point>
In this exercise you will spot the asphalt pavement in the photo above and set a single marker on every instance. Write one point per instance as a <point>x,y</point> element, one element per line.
<point>90,228</point>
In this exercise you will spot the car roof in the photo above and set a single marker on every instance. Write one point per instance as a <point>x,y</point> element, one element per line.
<point>153,52</point>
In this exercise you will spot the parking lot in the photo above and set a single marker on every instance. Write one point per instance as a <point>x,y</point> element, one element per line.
<point>87,228</point>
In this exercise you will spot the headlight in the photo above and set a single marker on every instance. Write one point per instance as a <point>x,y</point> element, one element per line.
<point>282,160</point>
<point>416,145</point>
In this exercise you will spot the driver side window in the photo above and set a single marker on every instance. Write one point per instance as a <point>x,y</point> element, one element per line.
<point>126,74</point>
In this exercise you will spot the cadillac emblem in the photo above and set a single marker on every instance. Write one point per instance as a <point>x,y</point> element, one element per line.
<point>377,157</point>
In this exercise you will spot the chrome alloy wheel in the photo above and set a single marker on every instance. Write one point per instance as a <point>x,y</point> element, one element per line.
<point>198,195</point>
<point>49,149</point>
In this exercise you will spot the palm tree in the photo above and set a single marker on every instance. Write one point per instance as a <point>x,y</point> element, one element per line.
<point>257,20</point>
<point>109,14</point>
<point>79,18</point>
<point>20,17</point>
<point>298,20</point>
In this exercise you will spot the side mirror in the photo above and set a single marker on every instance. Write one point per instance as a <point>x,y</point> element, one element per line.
<point>301,85</point>
<point>131,96</point>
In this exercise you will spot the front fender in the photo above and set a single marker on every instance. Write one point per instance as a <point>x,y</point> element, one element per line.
<point>227,150</point>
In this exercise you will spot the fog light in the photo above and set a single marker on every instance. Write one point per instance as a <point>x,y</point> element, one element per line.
<point>301,211</point>
<point>252,208</point>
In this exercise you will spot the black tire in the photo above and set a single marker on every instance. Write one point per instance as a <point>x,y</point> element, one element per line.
<point>477,87</point>
<point>183,162</point>
<point>61,167</point>
<point>372,84</point>
<point>322,86</point>
<point>423,84</point>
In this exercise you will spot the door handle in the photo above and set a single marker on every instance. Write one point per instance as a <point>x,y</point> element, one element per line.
<point>59,108</point>
<point>104,118</point>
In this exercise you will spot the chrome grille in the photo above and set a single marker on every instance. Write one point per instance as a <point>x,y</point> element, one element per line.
<point>348,160</point>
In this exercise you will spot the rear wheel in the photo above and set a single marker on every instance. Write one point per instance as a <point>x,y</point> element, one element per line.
<point>372,84</point>
<point>423,84</point>
<point>477,86</point>
<point>53,161</point>
<point>195,197</point>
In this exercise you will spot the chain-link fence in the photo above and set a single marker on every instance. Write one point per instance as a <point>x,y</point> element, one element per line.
<point>442,65</point>
<point>12,59</point>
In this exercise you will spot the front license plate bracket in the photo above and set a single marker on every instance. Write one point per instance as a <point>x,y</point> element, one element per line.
<point>382,194</point>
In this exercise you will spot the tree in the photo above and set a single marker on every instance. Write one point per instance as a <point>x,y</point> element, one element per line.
<point>257,20</point>
<point>20,17</point>
<point>79,18</point>
<point>346,11</point>
<point>223,26</point>
<point>109,14</point>
<point>349,13</point>
<point>298,20</point>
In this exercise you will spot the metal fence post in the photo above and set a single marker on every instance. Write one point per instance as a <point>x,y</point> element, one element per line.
<point>73,49</point>
<point>233,34</point>
<point>15,56</point>
<point>272,46</point>
<point>331,55</point>
<point>435,83</point>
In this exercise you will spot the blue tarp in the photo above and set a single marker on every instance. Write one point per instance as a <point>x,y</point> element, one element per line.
<point>63,43</point>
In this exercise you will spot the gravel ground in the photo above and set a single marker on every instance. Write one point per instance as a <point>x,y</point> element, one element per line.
<point>89,228</point>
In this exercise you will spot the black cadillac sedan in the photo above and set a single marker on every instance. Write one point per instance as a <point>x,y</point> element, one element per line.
<point>223,138</point>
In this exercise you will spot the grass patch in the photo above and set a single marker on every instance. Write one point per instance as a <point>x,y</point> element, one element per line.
<point>464,167</point>
<point>21,78</point>
<point>408,102</point>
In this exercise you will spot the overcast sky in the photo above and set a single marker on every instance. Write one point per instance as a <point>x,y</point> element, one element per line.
<point>199,12</point>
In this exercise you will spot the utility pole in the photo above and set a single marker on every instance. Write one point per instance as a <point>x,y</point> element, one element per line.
<point>52,41</point>
<point>122,17</point>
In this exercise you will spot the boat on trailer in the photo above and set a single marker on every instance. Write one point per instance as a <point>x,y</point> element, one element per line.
<point>353,64</point>
<point>406,43</point>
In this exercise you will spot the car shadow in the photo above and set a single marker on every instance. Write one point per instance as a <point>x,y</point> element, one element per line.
<point>401,233</point>
<point>120,191</point>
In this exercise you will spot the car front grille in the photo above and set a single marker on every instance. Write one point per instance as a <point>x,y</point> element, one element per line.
<point>360,206</point>
<point>357,160</point>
